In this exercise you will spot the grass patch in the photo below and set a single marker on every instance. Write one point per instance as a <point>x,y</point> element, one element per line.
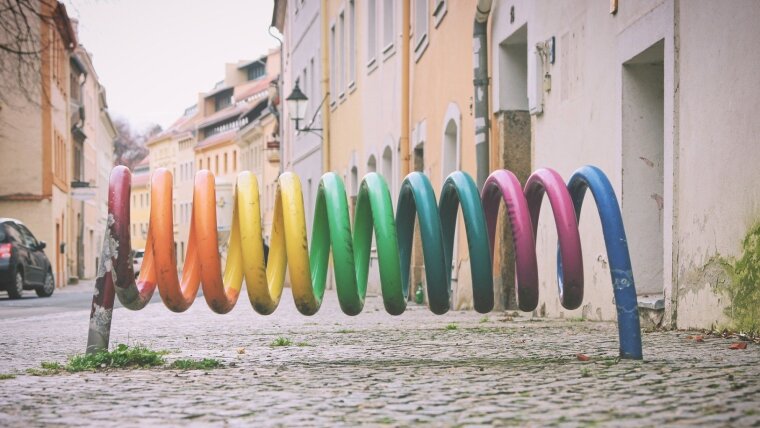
<point>346,331</point>
<point>4,376</point>
<point>485,319</point>
<point>48,365</point>
<point>302,344</point>
<point>585,372</point>
<point>451,326</point>
<point>204,364</point>
<point>281,341</point>
<point>121,357</point>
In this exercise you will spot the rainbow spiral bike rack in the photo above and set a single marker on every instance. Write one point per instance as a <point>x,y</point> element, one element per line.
<point>351,250</point>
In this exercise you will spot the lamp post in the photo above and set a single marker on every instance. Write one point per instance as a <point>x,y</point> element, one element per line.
<point>297,102</point>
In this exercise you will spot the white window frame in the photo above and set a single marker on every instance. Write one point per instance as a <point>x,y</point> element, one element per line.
<point>333,77</point>
<point>342,52</point>
<point>351,45</point>
<point>439,11</point>
<point>371,35</point>
<point>388,32</point>
<point>421,27</point>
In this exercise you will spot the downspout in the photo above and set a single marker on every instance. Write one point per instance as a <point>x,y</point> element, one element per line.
<point>480,86</point>
<point>325,90</point>
<point>281,101</point>
<point>404,138</point>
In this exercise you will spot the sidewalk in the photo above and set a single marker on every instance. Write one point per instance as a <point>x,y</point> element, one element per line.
<point>376,369</point>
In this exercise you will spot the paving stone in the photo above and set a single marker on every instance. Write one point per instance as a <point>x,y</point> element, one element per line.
<point>375,369</point>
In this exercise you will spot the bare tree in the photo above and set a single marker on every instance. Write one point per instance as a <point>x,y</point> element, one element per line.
<point>21,47</point>
<point>129,147</point>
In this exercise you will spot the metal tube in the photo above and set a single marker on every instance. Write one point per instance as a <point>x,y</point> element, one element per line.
<point>480,85</point>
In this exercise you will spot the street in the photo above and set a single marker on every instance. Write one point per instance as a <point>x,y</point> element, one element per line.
<point>70,298</point>
<point>461,368</point>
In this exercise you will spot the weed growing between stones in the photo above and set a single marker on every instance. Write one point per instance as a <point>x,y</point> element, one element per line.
<point>281,341</point>
<point>452,326</point>
<point>4,376</point>
<point>204,364</point>
<point>122,356</point>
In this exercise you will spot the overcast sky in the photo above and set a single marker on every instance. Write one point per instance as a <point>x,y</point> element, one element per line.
<point>154,56</point>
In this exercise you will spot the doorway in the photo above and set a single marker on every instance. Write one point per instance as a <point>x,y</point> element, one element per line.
<point>643,144</point>
<point>513,133</point>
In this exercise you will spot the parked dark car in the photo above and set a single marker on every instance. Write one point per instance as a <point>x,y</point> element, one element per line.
<point>23,263</point>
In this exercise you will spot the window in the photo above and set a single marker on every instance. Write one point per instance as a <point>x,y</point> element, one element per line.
<point>387,25</point>
<point>234,160</point>
<point>333,91</point>
<point>351,43</point>
<point>200,164</point>
<point>420,26</point>
<point>439,11</point>
<point>222,100</point>
<point>256,70</point>
<point>342,48</point>
<point>225,163</point>
<point>371,32</point>
<point>216,164</point>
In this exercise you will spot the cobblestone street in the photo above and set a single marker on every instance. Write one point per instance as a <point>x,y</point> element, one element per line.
<point>458,369</point>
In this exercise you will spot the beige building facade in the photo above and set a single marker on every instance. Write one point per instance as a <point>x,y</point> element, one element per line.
<point>139,208</point>
<point>35,143</point>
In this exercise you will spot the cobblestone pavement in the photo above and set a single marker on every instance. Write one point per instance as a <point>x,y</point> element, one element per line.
<point>376,369</point>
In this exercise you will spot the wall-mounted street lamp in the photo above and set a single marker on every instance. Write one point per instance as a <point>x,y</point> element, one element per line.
<point>297,102</point>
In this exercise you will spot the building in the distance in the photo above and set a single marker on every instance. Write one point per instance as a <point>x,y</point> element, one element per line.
<point>139,209</point>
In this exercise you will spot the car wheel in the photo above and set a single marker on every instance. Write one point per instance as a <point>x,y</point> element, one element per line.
<point>17,288</point>
<point>48,286</point>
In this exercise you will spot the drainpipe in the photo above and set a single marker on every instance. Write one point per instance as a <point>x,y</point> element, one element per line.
<point>480,85</point>
<point>281,99</point>
<point>404,139</point>
<point>325,90</point>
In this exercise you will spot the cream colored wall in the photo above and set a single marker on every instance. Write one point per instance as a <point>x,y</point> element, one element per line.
<point>218,151</point>
<point>139,215</point>
<point>183,189</point>
<point>441,88</point>
<point>707,62</point>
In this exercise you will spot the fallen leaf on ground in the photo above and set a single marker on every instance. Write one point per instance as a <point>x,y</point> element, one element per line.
<point>241,351</point>
<point>738,345</point>
<point>583,357</point>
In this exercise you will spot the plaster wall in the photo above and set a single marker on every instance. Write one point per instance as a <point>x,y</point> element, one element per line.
<point>719,151</point>
<point>581,119</point>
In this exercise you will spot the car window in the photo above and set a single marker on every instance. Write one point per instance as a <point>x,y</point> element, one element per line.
<point>29,240</point>
<point>139,253</point>
<point>13,233</point>
<point>2,232</point>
